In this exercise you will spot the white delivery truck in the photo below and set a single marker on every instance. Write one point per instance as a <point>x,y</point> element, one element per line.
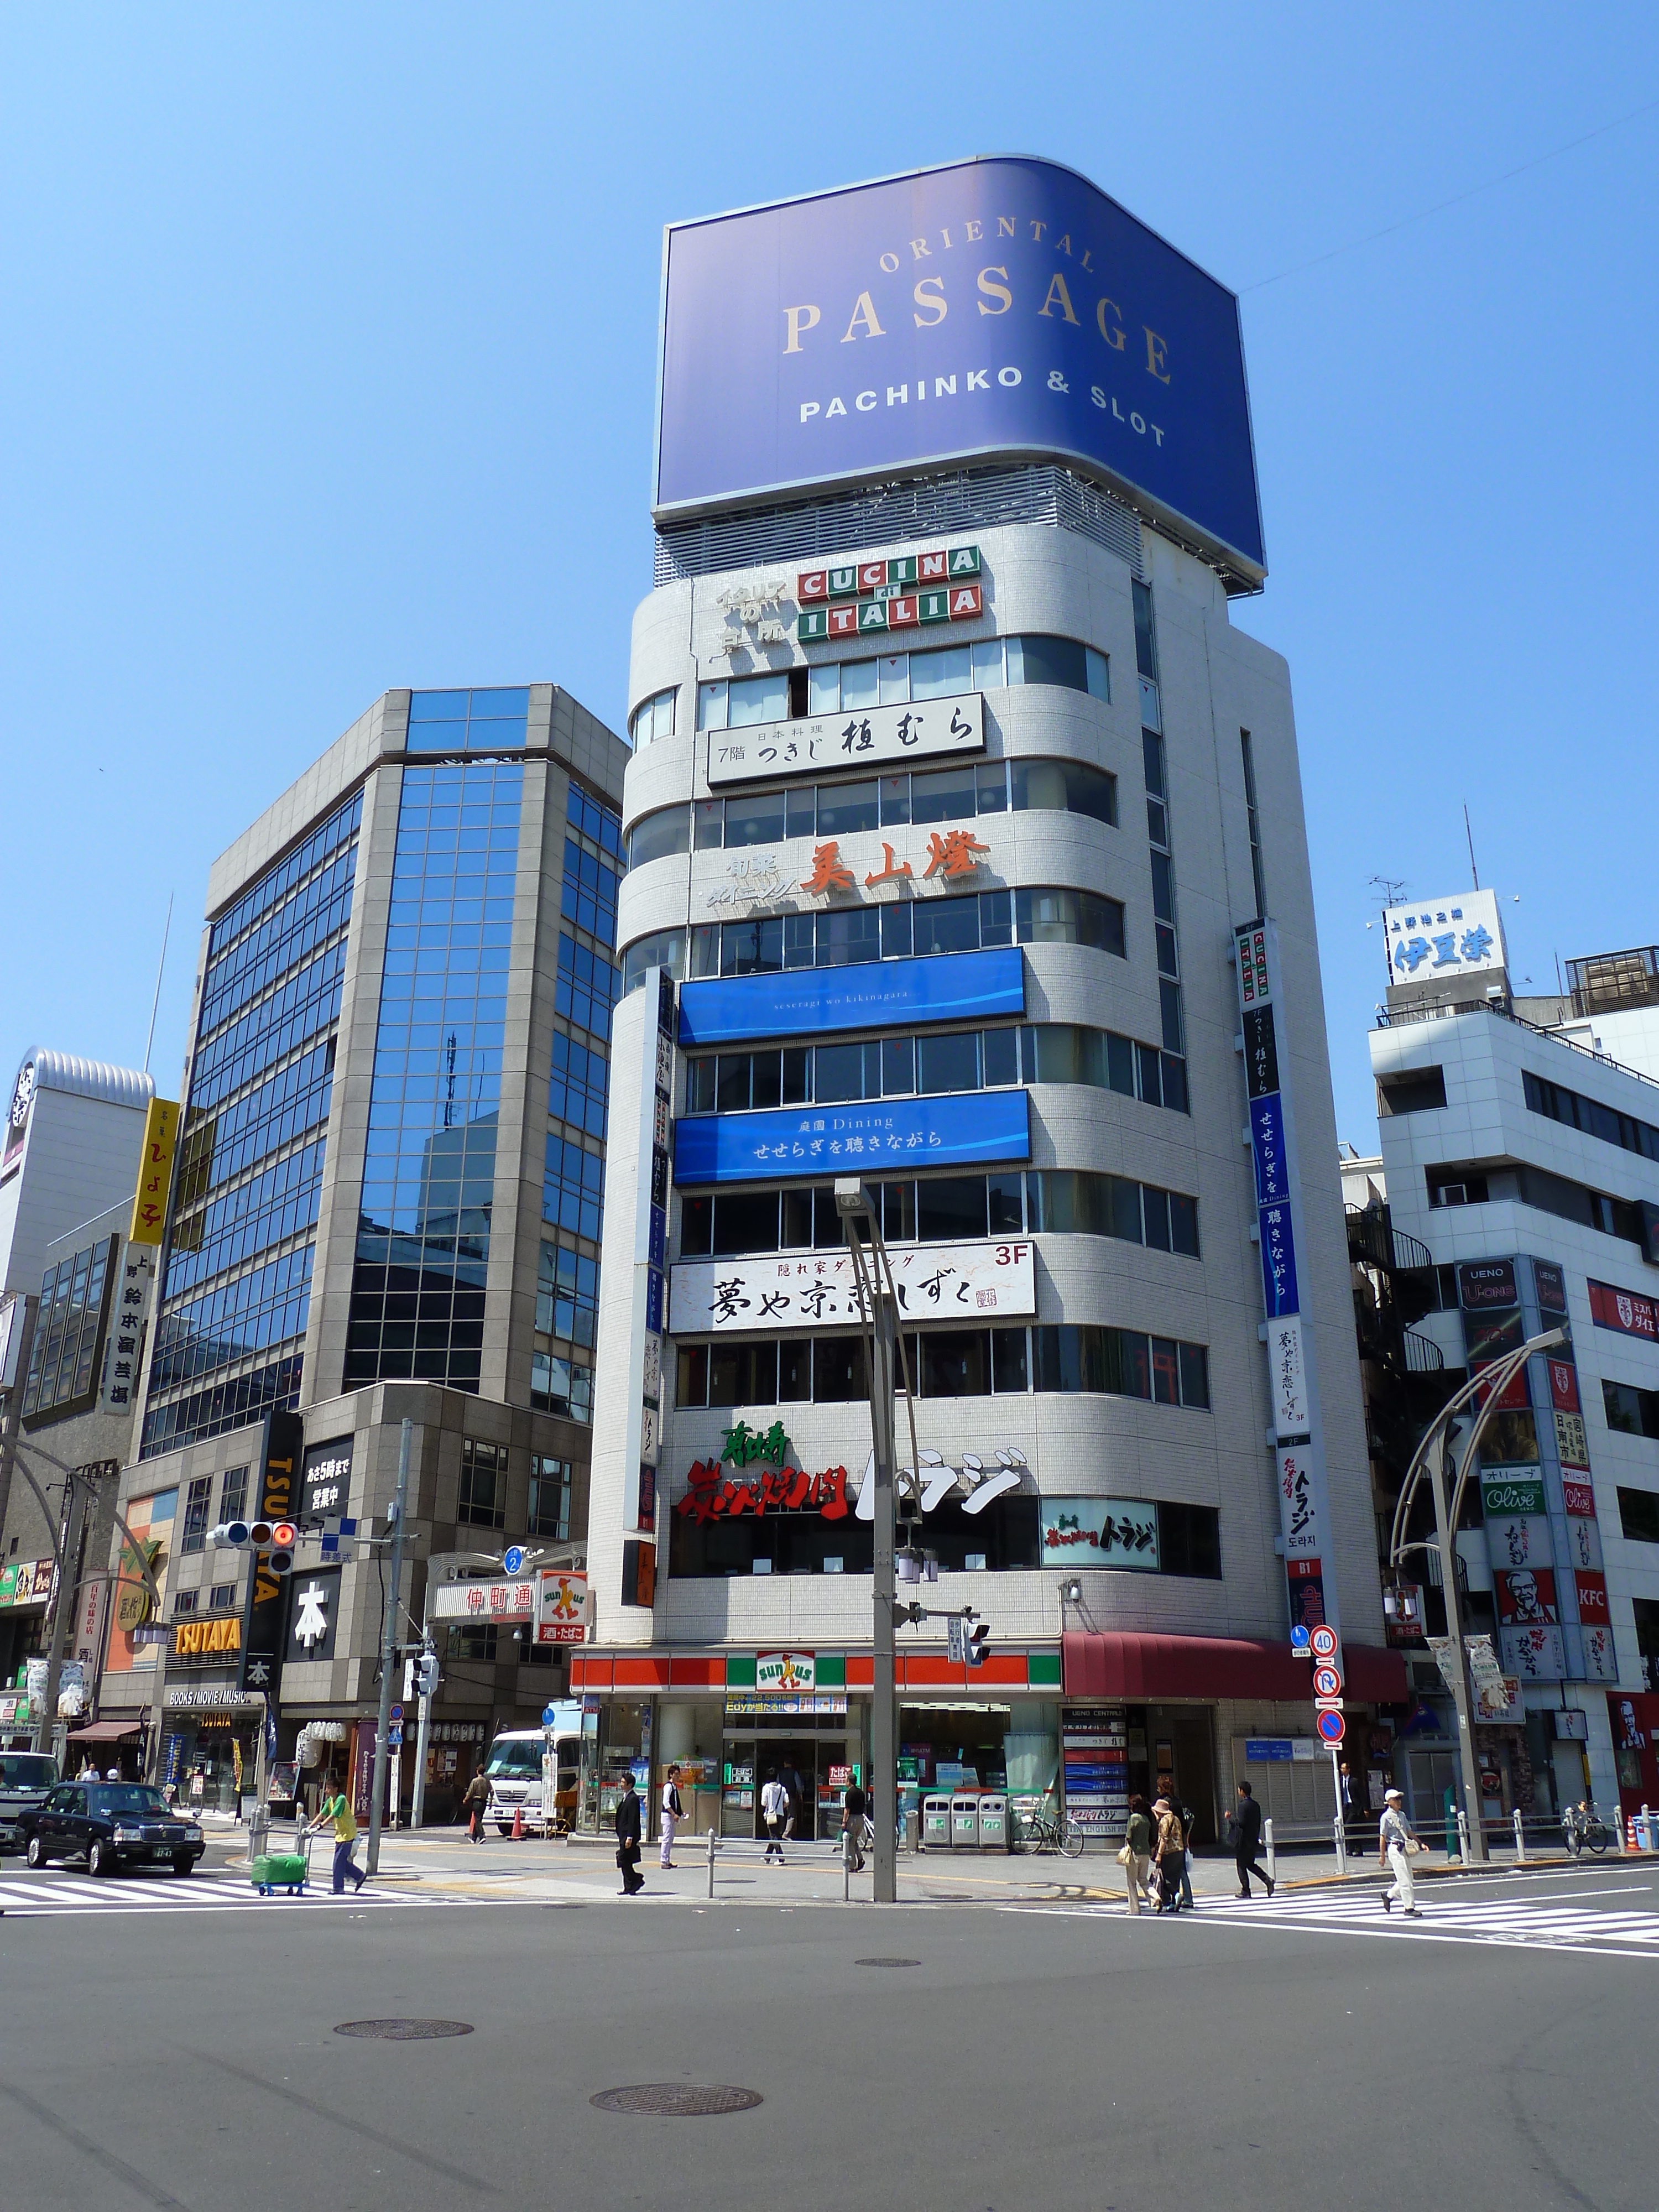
<point>530,1769</point>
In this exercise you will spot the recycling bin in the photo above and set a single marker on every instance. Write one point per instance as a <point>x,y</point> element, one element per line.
<point>992,1821</point>
<point>964,1820</point>
<point>936,1824</point>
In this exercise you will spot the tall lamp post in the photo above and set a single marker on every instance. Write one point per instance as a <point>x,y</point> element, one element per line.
<point>878,1302</point>
<point>1448,1464</point>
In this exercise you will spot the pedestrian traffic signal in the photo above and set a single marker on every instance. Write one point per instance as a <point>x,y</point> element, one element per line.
<point>979,1645</point>
<point>426,1674</point>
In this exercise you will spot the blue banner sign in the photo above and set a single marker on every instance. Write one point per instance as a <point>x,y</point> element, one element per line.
<point>878,994</point>
<point>1273,1167</point>
<point>958,1129</point>
<point>1268,1750</point>
<point>1278,1283</point>
<point>996,307</point>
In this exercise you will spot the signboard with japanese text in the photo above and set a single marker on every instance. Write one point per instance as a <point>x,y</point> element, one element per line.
<point>1519,1540</point>
<point>996,307</point>
<point>313,1615</point>
<point>561,1607</point>
<point>149,1200</point>
<point>1485,1283</point>
<point>1100,1532</point>
<point>967,1129</point>
<point>950,986</point>
<point>276,1493</point>
<point>1535,1654</point>
<point>1288,1375</point>
<point>326,1480</point>
<point>17,1119</point>
<point>1298,1520</point>
<point>785,1673</point>
<point>643,1442</point>
<point>934,1282</point>
<point>123,1342</point>
<point>1430,940</point>
<point>1571,1444</point>
<point>1564,1385</point>
<point>1583,1541</point>
<point>512,1598</point>
<point>872,736</point>
<point>1600,1659</point>
<point>1579,1498</point>
<point>1626,1311</point>
<point>1094,1745</point>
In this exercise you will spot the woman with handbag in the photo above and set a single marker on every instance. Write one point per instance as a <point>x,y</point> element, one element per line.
<point>1172,1848</point>
<point>1135,1857</point>
<point>1397,1848</point>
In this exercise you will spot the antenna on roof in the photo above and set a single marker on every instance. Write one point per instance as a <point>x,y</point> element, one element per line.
<point>161,965</point>
<point>1469,834</point>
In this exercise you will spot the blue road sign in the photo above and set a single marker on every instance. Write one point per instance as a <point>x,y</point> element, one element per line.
<point>1330,1725</point>
<point>513,1558</point>
<point>1298,1637</point>
<point>394,1738</point>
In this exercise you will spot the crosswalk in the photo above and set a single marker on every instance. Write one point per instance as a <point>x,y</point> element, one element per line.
<point>1450,1913</point>
<point>27,1897</point>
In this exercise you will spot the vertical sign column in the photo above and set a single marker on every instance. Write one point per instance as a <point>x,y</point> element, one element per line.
<point>644,1450</point>
<point>276,1495</point>
<point>1298,1445</point>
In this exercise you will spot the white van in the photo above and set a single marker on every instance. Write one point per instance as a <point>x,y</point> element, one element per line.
<point>515,1770</point>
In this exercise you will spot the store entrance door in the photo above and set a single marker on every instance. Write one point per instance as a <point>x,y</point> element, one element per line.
<point>795,1760</point>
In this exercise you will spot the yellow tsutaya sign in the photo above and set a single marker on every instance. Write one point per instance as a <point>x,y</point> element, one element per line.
<point>195,1639</point>
<point>149,1200</point>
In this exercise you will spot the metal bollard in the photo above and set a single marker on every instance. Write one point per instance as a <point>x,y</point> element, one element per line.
<point>711,1862</point>
<point>1520,1841</point>
<point>1646,1830</point>
<point>1273,1861</point>
<point>1341,1845</point>
<point>846,1866</point>
<point>1624,1828</point>
<point>1462,1835</point>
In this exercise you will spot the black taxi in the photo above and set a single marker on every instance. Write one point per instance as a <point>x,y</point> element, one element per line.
<point>110,1825</point>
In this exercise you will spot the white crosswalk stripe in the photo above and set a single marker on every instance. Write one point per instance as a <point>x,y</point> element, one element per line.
<point>1555,1924</point>
<point>39,1896</point>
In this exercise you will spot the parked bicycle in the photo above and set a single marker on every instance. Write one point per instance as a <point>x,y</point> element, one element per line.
<point>1583,1829</point>
<point>1045,1828</point>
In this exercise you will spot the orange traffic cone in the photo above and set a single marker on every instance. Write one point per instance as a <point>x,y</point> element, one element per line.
<point>1631,1841</point>
<point>518,1824</point>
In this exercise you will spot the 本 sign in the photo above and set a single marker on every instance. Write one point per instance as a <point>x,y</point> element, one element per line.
<point>866,737</point>
<point>1430,940</point>
<point>934,1282</point>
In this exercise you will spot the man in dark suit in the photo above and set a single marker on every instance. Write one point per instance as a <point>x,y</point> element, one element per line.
<point>628,1838</point>
<point>1247,1841</point>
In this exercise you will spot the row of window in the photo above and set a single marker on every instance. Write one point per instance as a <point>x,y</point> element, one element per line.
<point>1456,1184</point>
<point>945,1209</point>
<point>971,1363</point>
<point>199,1515</point>
<point>1635,1412</point>
<point>567,1294</point>
<point>590,818</point>
<point>901,1067</point>
<point>250,1313</point>
<point>66,1329</point>
<point>1006,1536</point>
<point>492,721</point>
<point>1561,1104</point>
<point>572,1188</point>
<point>847,936</point>
<point>559,1385</point>
<point>282,879</point>
<point>307,919</point>
<point>295,1099</point>
<point>580,1088</point>
<point>653,717</point>
<point>586,988</point>
<point>308,1002</point>
<point>589,893</point>
<point>273,1206</point>
<point>896,679</point>
<point>230,1405</point>
<point>903,801</point>
<point>483,1500</point>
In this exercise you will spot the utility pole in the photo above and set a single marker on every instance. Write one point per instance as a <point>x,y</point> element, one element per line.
<point>424,1729</point>
<point>1446,1546</point>
<point>390,1640</point>
<point>64,1572</point>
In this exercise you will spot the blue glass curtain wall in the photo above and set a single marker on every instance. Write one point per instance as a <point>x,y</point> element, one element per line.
<point>417,1298</point>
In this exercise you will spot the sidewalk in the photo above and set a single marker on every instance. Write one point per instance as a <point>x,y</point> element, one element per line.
<point>582,1870</point>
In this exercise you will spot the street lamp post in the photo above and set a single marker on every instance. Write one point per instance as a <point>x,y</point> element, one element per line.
<point>1438,1457</point>
<point>390,1639</point>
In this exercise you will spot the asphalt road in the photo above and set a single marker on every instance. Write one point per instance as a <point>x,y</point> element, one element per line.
<point>172,2045</point>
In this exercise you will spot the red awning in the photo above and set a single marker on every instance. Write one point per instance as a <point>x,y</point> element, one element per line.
<point>1150,1668</point>
<point>107,1731</point>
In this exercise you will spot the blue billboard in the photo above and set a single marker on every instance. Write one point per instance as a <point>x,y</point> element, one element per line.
<point>996,308</point>
<point>876,995</point>
<point>971,1128</point>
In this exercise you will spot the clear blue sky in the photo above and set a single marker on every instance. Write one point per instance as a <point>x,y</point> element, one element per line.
<point>329,366</point>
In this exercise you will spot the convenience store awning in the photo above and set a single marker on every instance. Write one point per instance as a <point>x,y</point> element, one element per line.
<point>1140,1668</point>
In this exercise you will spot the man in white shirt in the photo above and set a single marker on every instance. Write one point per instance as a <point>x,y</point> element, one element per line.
<point>774,1810</point>
<point>1397,1844</point>
<point>672,1812</point>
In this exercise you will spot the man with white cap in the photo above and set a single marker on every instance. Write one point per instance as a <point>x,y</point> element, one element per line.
<point>1397,1846</point>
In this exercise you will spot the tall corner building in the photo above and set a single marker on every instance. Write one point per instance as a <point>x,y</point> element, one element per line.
<point>386,1205</point>
<point>966,854</point>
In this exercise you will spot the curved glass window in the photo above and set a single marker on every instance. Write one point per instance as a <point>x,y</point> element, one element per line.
<point>907,800</point>
<point>837,686</point>
<point>653,717</point>
<point>656,836</point>
<point>666,949</point>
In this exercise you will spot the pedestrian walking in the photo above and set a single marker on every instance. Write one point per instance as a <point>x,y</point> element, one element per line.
<point>1135,1857</point>
<point>337,1807</point>
<point>673,1814</point>
<point>1171,1846</point>
<point>628,1838</point>
<point>852,1815</point>
<point>1183,1812</point>
<point>1396,1848</point>
<point>1246,1824</point>
<point>476,1803</point>
<point>774,1811</point>
<point>789,1775</point>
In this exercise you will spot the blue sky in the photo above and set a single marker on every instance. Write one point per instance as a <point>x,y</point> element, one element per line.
<point>330,365</point>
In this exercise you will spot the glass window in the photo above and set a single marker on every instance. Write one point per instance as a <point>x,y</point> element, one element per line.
<point>666,949</point>
<point>893,678</point>
<point>755,699</point>
<point>800,805</point>
<point>482,1497</point>
<point>838,1072</point>
<point>1054,660</point>
<point>945,674</point>
<point>708,818</point>
<point>653,717</point>
<point>712,705</point>
<point>754,947</point>
<point>198,1500</point>
<point>946,924</point>
<point>1005,1205</point>
<point>745,1221</point>
<point>1097,672</point>
<point>895,801</point>
<point>843,809</point>
<point>1194,1375</point>
<point>898,1212</point>
<point>955,1364</point>
<point>950,1208</point>
<point>897,931</point>
<point>947,1063</point>
<point>948,794</point>
<point>1071,786</point>
<point>824,688</point>
<point>1008,1362</point>
<point>839,1370</point>
<point>985,660</point>
<point>849,936</point>
<point>232,1496</point>
<point>1151,714</point>
<point>550,1497</point>
<point>754,820</point>
<point>1058,916</point>
<point>656,836</point>
<point>898,1067</point>
<point>859,684</point>
<point>1000,1054</point>
<point>696,1223</point>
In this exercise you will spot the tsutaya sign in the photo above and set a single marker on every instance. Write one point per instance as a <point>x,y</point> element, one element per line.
<point>934,1282</point>
<point>867,736</point>
<point>1299,1459</point>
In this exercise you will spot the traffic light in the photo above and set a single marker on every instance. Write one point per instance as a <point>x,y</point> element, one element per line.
<point>979,1645</point>
<point>231,1532</point>
<point>426,1674</point>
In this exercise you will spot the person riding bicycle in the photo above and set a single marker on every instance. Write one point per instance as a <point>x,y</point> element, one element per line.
<point>1580,1822</point>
